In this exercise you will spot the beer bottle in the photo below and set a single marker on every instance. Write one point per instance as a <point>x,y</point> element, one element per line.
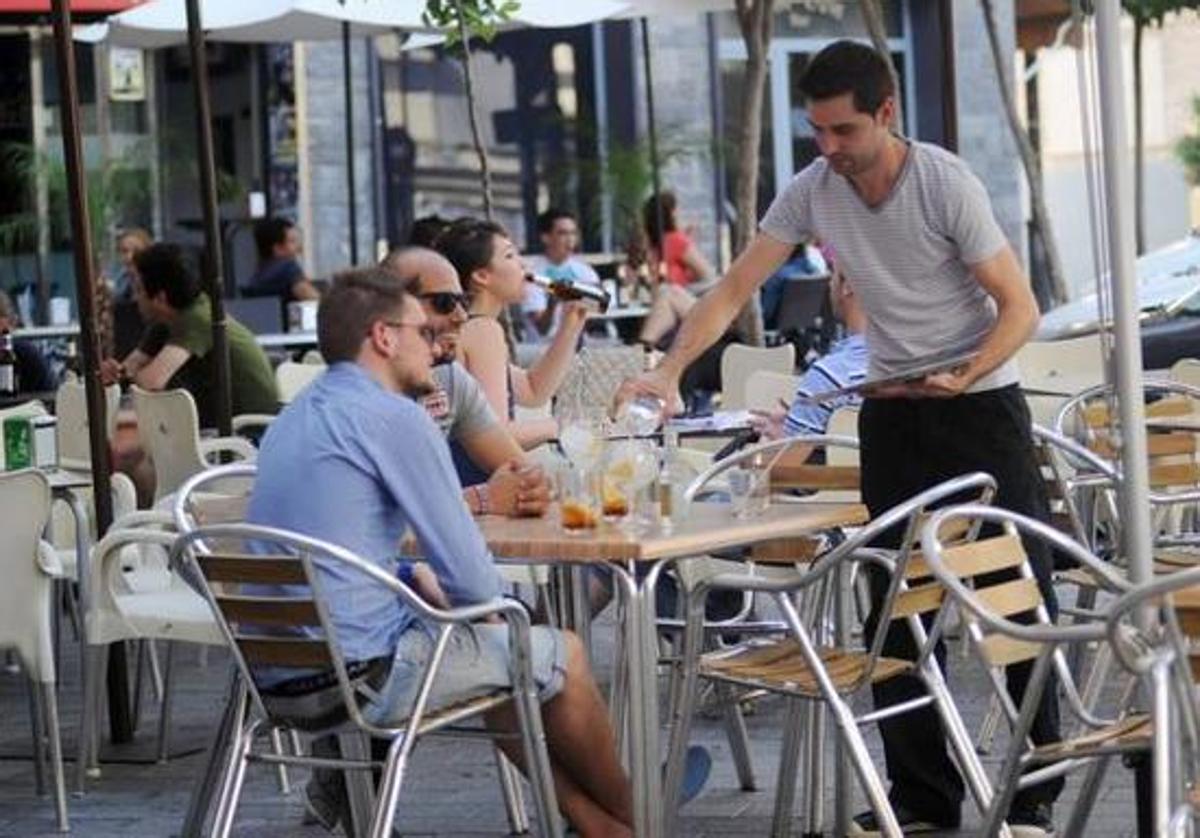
<point>566,290</point>
<point>8,366</point>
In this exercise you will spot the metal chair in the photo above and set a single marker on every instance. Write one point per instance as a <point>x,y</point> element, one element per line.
<point>26,602</point>
<point>816,662</point>
<point>1163,652</point>
<point>994,588</point>
<point>270,609</point>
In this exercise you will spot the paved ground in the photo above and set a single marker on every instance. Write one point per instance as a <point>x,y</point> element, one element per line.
<point>452,791</point>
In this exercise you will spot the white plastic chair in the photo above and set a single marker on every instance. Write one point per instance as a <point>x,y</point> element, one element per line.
<point>70,408</point>
<point>739,362</point>
<point>26,602</point>
<point>169,429</point>
<point>312,356</point>
<point>1186,371</point>
<point>765,389</point>
<point>291,378</point>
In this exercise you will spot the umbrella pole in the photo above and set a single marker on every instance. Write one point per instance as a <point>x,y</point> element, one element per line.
<point>1136,528</point>
<point>351,191</point>
<point>212,230</point>
<point>120,720</point>
<point>652,134</point>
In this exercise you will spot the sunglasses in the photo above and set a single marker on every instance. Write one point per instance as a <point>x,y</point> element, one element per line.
<point>444,302</point>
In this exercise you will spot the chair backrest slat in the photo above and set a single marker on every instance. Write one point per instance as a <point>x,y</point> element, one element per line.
<point>794,475</point>
<point>972,558</point>
<point>1174,474</point>
<point>1000,650</point>
<point>1157,445</point>
<point>269,611</point>
<point>284,651</point>
<point>1009,598</point>
<point>920,599</point>
<point>253,569</point>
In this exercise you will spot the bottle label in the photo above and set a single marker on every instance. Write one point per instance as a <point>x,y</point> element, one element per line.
<point>8,378</point>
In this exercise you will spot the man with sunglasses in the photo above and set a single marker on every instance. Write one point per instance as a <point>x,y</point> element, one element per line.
<point>458,406</point>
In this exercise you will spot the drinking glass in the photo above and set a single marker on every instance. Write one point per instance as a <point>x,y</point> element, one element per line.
<point>578,498</point>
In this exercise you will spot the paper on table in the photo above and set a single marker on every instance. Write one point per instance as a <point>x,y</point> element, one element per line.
<point>718,421</point>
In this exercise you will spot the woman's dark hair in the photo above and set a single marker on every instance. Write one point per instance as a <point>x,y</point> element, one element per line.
<point>425,231</point>
<point>469,244</point>
<point>849,67</point>
<point>660,206</point>
<point>163,267</point>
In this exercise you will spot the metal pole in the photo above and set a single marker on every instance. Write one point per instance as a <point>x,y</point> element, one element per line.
<point>600,73</point>
<point>652,134</point>
<point>351,192</point>
<point>1118,188</point>
<point>212,227</point>
<point>85,284</point>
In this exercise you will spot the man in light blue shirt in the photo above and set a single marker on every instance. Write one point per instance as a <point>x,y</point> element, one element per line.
<point>354,460</point>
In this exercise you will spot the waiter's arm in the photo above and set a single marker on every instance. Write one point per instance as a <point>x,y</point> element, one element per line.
<point>1016,320</point>
<point>710,317</point>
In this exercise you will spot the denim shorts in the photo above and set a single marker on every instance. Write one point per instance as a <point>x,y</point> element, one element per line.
<point>476,662</point>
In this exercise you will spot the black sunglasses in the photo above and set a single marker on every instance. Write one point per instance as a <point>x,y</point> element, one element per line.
<point>444,302</point>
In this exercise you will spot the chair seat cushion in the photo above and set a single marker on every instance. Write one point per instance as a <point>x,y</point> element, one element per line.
<point>1131,730</point>
<point>778,665</point>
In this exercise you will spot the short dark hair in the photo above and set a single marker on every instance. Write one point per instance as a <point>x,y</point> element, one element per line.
<point>269,232</point>
<point>163,267</point>
<point>656,206</point>
<point>849,67</point>
<point>357,298</point>
<point>469,244</point>
<point>547,220</point>
<point>424,231</point>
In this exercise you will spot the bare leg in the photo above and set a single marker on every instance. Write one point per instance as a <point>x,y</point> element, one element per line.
<point>671,304</point>
<point>592,788</point>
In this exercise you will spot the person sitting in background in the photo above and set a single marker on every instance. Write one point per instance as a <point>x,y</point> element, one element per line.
<point>33,372</point>
<point>383,467</point>
<point>681,268</point>
<point>844,365</point>
<point>176,348</point>
<point>279,273</point>
<point>458,406</point>
<point>559,233</point>
<point>130,243</point>
<point>491,269</point>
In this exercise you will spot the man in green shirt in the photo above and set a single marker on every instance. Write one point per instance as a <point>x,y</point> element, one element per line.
<point>176,348</point>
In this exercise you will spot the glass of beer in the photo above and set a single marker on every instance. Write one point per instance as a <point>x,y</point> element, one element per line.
<point>578,499</point>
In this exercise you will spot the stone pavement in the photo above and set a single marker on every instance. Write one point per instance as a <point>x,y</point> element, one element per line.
<point>451,790</point>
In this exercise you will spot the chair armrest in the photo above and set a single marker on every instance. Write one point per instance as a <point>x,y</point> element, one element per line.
<point>247,421</point>
<point>240,448</point>
<point>48,561</point>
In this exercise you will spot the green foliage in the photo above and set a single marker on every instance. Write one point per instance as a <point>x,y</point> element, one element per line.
<point>118,193</point>
<point>1188,148</point>
<point>1153,12</point>
<point>482,18</point>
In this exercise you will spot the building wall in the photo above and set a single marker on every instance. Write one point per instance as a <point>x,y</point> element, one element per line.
<point>682,104</point>
<point>327,240</point>
<point>984,139</point>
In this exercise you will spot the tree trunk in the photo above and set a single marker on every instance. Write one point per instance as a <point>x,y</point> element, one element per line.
<point>485,169</point>
<point>873,18</point>
<point>1029,161</point>
<point>755,19</point>
<point>1139,139</point>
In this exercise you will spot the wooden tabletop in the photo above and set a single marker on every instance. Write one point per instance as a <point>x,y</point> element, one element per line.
<point>709,527</point>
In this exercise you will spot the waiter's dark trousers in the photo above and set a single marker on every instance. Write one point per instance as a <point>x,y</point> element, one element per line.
<point>909,445</point>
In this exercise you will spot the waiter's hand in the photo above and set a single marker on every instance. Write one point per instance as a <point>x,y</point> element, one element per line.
<point>946,385</point>
<point>657,383</point>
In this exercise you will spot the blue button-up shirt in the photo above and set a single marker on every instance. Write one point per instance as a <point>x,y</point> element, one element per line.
<point>353,464</point>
